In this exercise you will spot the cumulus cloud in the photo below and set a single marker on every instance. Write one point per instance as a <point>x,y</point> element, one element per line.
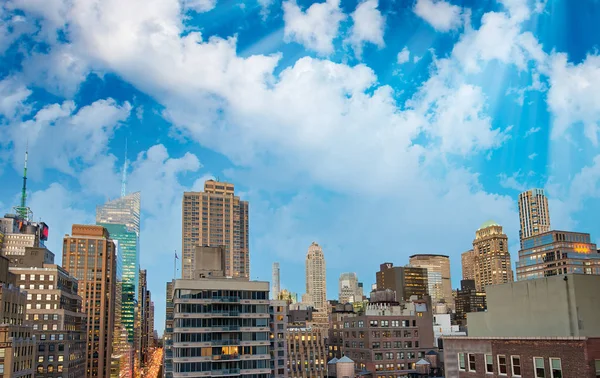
<point>199,6</point>
<point>368,26</point>
<point>440,14</point>
<point>403,56</point>
<point>315,28</point>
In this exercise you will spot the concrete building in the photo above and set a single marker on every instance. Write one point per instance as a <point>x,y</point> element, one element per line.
<point>220,325</point>
<point>405,281</point>
<point>442,327</point>
<point>143,330</point>
<point>335,342</point>
<point>468,299</point>
<point>278,325</point>
<point>23,242</point>
<point>557,253</point>
<point>168,334</point>
<point>389,337</point>
<point>54,309</point>
<point>316,277</point>
<point>216,217</point>
<point>468,265</point>
<point>89,255</point>
<point>528,357</point>
<point>534,214</point>
<point>275,286</point>
<point>439,282</point>
<point>307,351</point>
<point>18,350</point>
<point>349,291</point>
<point>521,309</point>
<point>492,259</point>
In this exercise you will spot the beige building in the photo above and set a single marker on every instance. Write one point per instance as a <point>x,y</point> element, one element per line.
<point>349,291</point>
<point>534,215</point>
<point>438,276</point>
<point>307,353</point>
<point>18,350</point>
<point>557,306</point>
<point>316,284</point>
<point>212,218</point>
<point>468,265</point>
<point>492,259</point>
<point>89,255</point>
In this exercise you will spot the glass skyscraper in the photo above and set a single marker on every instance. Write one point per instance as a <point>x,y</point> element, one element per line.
<point>121,217</point>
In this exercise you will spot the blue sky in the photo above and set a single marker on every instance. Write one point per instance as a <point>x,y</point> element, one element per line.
<point>378,129</point>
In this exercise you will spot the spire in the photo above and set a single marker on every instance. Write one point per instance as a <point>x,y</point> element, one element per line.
<point>22,210</point>
<point>124,179</point>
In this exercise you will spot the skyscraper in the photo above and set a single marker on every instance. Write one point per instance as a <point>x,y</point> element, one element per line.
<point>212,218</point>
<point>533,213</point>
<point>89,255</point>
<point>468,265</point>
<point>275,286</point>
<point>349,291</point>
<point>316,285</point>
<point>121,217</point>
<point>492,259</point>
<point>405,281</point>
<point>438,276</point>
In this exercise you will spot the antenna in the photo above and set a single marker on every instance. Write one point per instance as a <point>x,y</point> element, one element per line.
<point>124,179</point>
<point>23,211</point>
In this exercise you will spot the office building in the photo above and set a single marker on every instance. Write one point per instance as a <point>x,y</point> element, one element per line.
<point>404,281</point>
<point>492,260</point>
<point>23,242</point>
<point>307,351</point>
<point>143,316</point>
<point>557,253</point>
<point>389,338</point>
<point>168,334</point>
<point>335,341</point>
<point>275,286</point>
<point>220,324</point>
<point>121,217</point>
<point>534,214</point>
<point>54,311</point>
<point>439,282</point>
<point>468,299</point>
<point>278,324</point>
<point>468,265</point>
<point>349,291</point>
<point>89,255</point>
<point>442,327</point>
<point>316,277</point>
<point>212,218</point>
<point>535,357</point>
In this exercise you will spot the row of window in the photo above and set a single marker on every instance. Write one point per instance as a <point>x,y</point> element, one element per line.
<point>467,362</point>
<point>381,323</point>
<point>40,277</point>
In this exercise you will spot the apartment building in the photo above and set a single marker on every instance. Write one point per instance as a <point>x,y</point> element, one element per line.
<point>307,351</point>
<point>278,324</point>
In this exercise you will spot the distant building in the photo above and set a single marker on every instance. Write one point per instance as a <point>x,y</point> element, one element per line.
<point>349,291</point>
<point>557,253</point>
<point>492,259</point>
<point>443,327</point>
<point>278,312</point>
<point>534,214</point>
<point>316,276</point>
<point>335,342</point>
<point>468,299</point>
<point>275,286</point>
<point>405,281</point>
<point>468,265</point>
<point>438,276</point>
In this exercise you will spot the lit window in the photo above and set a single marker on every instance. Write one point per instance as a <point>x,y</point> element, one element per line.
<point>461,362</point>
<point>556,367</point>
<point>501,364</point>
<point>489,363</point>
<point>516,365</point>
<point>471,362</point>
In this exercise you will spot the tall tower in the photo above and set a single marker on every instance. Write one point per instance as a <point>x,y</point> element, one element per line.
<point>23,211</point>
<point>533,213</point>
<point>216,217</point>
<point>492,260</point>
<point>468,265</point>
<point>89,255</point>
<point>275,285</point>
<point>438,276</point>
<point>316,285</point>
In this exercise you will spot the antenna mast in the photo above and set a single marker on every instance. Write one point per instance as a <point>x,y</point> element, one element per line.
<point>23,211</point>
<point>124,179</point>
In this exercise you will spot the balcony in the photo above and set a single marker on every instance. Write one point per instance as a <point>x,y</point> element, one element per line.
<point>225,357</point>
<point>225,299</point>
<point>225,342</point>
<point>225,372</point>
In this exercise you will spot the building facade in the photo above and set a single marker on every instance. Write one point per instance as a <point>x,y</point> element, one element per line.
<point>54,309</point>
<point>557,253</point>
<point>534,357</point>
<point>89,255</point>
<point>468,299</point>
<point>335,342</point>
<point>438,276</point>
<point>316,277</point>
<point>18,351</point>
<point>534,215</point>
<point>216,217</point>
<point>275,286</point>
<point>405,281</point>
<point>278,324</point>
<point>468,265</point>
<point>492,259</point>
<point>349,291</point>
<point>307,351</point>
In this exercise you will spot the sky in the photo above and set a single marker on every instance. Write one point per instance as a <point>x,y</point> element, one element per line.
<point>379,129</point>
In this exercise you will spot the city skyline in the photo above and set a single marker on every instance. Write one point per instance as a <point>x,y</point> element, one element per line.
<point>391,138</point>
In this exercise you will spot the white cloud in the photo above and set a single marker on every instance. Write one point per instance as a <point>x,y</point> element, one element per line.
<point>532,130</point>
<point>368,26</point>
<point>514,181</point>
<point>440,14</point>
<point>403,56</point>
<point>315,28</point>
<point>573,96</point>
<point>199,6</point>
<point>532,156</point>
<point>13,95</point>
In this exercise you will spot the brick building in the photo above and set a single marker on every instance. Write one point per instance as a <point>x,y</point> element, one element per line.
<point>526,357</point>
<point>335,343</point>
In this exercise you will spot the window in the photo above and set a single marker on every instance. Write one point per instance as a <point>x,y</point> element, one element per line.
<point>462,366</point>
<point>501,364</point>
<point>471,362</point>
<point>489,363</point>
<point>556,368</point>
<point>516,365</point>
